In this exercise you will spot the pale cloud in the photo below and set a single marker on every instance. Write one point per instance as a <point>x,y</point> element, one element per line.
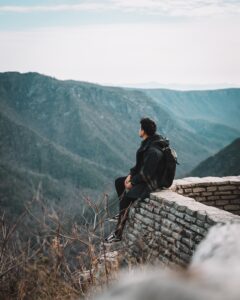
<point>53,8</point>
<point>187,8</point>
<point>192,51</point>
<point>180,7</point>
<point>187,53</point>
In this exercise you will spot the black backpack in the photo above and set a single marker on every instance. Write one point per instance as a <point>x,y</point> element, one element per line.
<point>170,162</point>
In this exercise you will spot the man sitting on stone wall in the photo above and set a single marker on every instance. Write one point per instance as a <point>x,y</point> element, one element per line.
<point>144,177</point>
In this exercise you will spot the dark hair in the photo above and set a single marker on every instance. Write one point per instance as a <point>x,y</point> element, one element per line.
<point>148,125</point>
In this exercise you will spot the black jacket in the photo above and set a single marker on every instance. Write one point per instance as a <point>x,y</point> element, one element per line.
<point>146,174</point>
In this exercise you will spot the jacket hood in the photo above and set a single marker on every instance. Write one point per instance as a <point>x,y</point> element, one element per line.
<point>156,140</point>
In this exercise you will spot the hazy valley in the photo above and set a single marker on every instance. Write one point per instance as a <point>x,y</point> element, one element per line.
<point>75,138</point>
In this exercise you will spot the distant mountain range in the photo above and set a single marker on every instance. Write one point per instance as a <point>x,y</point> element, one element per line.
<point>224,163</point>
<point>76,137</point>
<point>176,86</point>
<point>215,106</point>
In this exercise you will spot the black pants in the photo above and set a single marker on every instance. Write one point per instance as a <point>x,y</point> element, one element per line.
<point>124,205</point>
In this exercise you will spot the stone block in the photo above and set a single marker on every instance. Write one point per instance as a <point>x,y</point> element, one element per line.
<point>232,207</point>
<point>188,190</point>
<point>237,212</point>
<point>176,235</point>
<point>163,242</point>
<point>188,233</point>
<point>177,228</point>
<point>198,229</point>
<point>200,223</point>
<point>166,231</point>
<point>147,214</point>
<point>183,222</point>
<point>210,221</point>
<point>209,202</point>
<point>149,222</point>
<point>227,187</point>
<point>168,202</point>
<point>207,193</point>
<point>191,212</point>
<point>154,253</point>
<point>235,182</point>
<point>178,214</point>
<point>193,195</point>
<point>211,188</point>
<point>167,223</point>
<point>188,242</point>
<point>199,189</point>
<point>163,213</point>
<point>229,197</point>
<point>137,226</point>
<point>198,238</point>
<point>170,239</point>
<point>147,200</point>
<point>190,219</point>
<point>163,259</point>
<point>135,232</point>
<point>222,183</point>
<point>181,262</point>
<point>157,226</point>
<point>153,196</point>
<point>158,234</point>
<point>155,203</point>
<point>167,208</point>
<point>223,193</point>
<point>201,215</point>
<point>149,207</point>
<point>212,198</point>
<point>235,201</point>
<point>181,208</point>
<point>186,257</point>
<point>139,217</point>
<point>156,210</point>
<point>157,218</point>
<point>200,198</point>
<point>171,217</point>
<point>131,237</point>
<point>150,229</point>
<point>221,202</point>
<point>207,226</point>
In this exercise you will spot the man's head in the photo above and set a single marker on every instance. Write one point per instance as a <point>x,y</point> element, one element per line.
<point>148,128</point>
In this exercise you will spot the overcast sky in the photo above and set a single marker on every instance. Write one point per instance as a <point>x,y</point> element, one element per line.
<point>171,42</point>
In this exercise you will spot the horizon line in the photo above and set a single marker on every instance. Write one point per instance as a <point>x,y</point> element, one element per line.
<point>140,85</point>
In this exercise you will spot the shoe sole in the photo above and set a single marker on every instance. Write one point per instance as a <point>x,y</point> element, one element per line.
<point>112,220</point>
<point>111,242</point>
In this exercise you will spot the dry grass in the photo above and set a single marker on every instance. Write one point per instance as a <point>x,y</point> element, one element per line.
<point>41,258</point>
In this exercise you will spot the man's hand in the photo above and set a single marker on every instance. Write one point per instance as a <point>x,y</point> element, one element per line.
<point>127,182</point>
<point>128,185</point>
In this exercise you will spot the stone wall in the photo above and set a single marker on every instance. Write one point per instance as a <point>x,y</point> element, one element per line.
<point>213,273</point>
<point>221,192</point>
<point>168,226</point>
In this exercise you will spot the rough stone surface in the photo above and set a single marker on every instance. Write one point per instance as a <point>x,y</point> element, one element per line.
<point>211,191</point>
<point>213,273</point>
<point>168,226</point>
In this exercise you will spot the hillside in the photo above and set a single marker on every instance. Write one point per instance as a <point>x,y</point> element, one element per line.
<point>218,106</point>
<point>28,159</point>
<point>80,136</point>
<point>224,163</point>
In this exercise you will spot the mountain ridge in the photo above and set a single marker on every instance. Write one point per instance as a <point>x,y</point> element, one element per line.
<point>92,130</point>
<point>225,162</point>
